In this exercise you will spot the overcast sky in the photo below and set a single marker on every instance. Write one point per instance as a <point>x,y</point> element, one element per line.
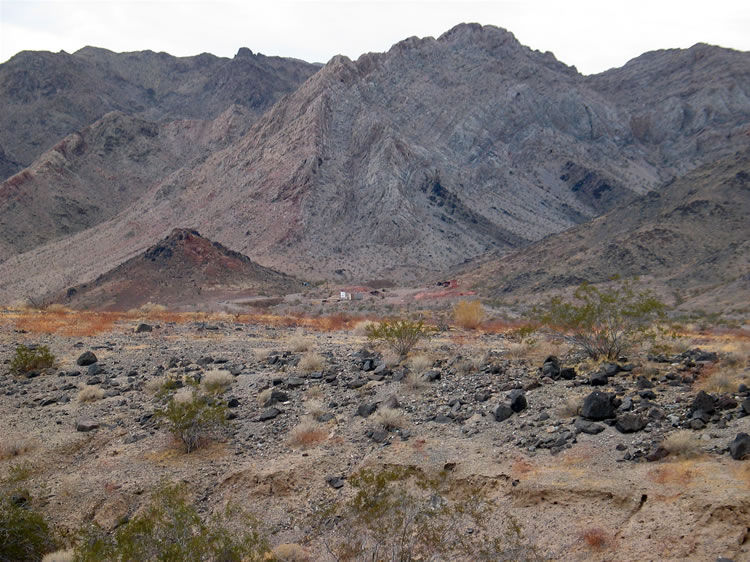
<point>591,34</point>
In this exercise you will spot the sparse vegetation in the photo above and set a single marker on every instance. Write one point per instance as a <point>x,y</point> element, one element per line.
<point>28,359</point>
<point>290,553</point>
<point>192,417</point>
<point>420,364</point>
<point>24,533</point>
<point>596,538</point>
<point>67,555</point>
<point>682,443</point>
<point>400,335</point>
<point>570,407</point>
<point>603,322</point>
<point>307,434</point>
<point>400,514</point>
<point>468,314</point>
<point>11,447</point>
<point>216,382</point>
<point>170,529</point>
<point>311,362</point>
<point>90,394</point>
<point>299,343</point>
<point>389,418</point>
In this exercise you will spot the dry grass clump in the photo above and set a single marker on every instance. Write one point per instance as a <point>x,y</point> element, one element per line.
<point>185,395</point>
<point>391,359</point>
<point>216,381</point>
<point>315,408</point>
<point>721,380</point>
<point>290,553</point>
<point>262,354</point>
<point>15,447</point>
<point>468,365</point>
<point>153,386</point>
<point>414,381</point>
<point>682,443</point>
<point>570,407</point>
<point>468,314</point>
<point>299,343</point>
<point>67,555</point>
<point>596,538</point>
<point>389,418</point>
<point>307,434</point>
<point>68,323</point>
<point>360,328</point>
<point>420,364</point>
<point>146,310</point>
<point>311,362</point>
<point>90,394</point>
<point>264,396</point>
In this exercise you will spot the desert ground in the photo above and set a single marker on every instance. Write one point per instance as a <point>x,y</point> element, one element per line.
<point>312,401</point>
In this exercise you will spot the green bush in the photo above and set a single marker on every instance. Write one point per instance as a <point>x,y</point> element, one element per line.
<point>400,335</point>
<point>170,530</point>
<point>192,417</point>
<point>400,515</point>
<point>24,534</point>
<point>604,322</point>
<point>31,358</point>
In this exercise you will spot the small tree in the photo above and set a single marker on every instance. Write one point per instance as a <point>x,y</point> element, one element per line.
<point>400,335</point>
<point>24,534</point>
<point>603,322</point>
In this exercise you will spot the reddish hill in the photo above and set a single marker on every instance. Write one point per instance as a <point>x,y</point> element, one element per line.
<point>183,269</point>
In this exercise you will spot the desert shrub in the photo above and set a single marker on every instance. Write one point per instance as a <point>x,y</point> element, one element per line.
<point>311,362</point>
<point>14,447</point>
<point>399,514</point>
<point>90,394</point>
<point>170,529</point>
<point>603,322</point>
<point>360,328</point>
<point>67,555</point>
<point>389,418</point>
<point>420,363</point>
<point>290,553</point>
<point>391,359</point>
<point>31,358</point>
<point>299,343</point>
<point>216,381</point>
<point>307,434</point>
<point>570,407</point>
<point>193,417</point>
<point>468,314</point>
<point>24,534</point>
<point>400,335</point>
<point>414,381</point>
<point>682,443</point>
<point>597,539</point>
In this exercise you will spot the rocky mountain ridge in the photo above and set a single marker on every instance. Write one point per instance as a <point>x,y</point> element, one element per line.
<point>407,163</point>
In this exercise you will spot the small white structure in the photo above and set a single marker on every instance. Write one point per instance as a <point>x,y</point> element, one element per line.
<point>344,296</point>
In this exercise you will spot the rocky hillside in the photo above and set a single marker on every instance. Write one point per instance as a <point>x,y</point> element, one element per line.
<point>47,96</point>
<point>404,164</point>
<point>692,236</point>
<point>182,269</point>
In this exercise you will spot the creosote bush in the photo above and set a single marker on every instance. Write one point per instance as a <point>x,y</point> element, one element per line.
<point>468,314</point>
<point>400,514</point>
<point>24,534</point>
<point>400,335</point>
<point>311,362</point>
<point>605,321</point>
<point>192,417</point>
<point>171,530</point>
<point>31,359</point>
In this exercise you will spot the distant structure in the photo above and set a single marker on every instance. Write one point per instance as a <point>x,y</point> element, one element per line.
<point>452,284</point>
<point>344,296</point>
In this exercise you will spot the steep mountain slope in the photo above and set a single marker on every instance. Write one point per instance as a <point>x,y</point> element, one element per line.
<point>47,96</point>
<point>407,163</point>
<point>182,269</point>
<point>95,173</point>
<point>692,236</point>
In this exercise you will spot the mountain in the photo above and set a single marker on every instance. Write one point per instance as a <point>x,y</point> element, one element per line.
<point>182,269</point>
<point>405,164</point>
<point>691,239</point>
<point>47,96</point>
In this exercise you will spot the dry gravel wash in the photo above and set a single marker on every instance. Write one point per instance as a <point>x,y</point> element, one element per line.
<point>695,509</point>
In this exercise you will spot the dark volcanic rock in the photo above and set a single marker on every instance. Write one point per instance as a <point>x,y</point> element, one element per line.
<point>86,358</point>
<point>503,412</point>
<point>739,448</point>
<point>598,406</point>
<point>630,423</point>
<point>518,401</point>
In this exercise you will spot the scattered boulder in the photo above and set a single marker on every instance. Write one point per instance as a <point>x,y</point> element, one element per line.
<point>630,423</point>
<point>269,414</point>
<point>740,447</point>
<point>366,410</point>
<point>503,412</point>
<point>585,426</point>
<point>599,379</point>
<point>86,358</point>
<point>551,367</point>
<point>518,401</point>
<point>599,406</point>
<point>335,482</point>
<point>276,397</point>
<point>86,425</point>
<point>143,327</point>
<point>703,402</point>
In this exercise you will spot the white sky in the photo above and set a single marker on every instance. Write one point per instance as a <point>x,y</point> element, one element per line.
<point>592,34</point>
